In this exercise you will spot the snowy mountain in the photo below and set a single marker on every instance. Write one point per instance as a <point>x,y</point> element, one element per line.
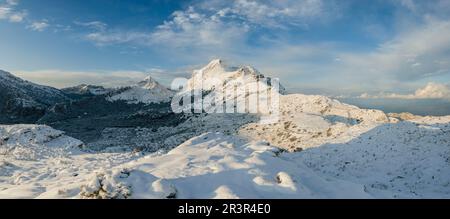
<point>33,142</point>
<point>406,159</point>
<point>317,148</point>
<point>216,74</point>
<point>147,91</point>
<point>24,102</point>
<point>86,90</point>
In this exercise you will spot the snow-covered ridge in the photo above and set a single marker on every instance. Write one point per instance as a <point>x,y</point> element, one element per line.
<point>84,89</point>
<point>147,91</point>
<point>311,120</point>
<point>34,142</point>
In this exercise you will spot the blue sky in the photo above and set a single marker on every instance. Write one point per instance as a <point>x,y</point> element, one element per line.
<point>334,47</point>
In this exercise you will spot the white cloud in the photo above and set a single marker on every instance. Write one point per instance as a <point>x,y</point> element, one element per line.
<point>4,12</point>
<point>437,8</point>
<point>409,4</point>
<point>271,13</point>
<point>62,78</point>
<point>416,51</point>
<point>96,25</point>
<point>39,25</point>
<point>187,28</point>
<point>430,91</point>
<point>9,12</point>
<point>434,90</point>
<point>118,37</point>
<point>414,55</point>
<point>216,23</point>
<point>229,23</point>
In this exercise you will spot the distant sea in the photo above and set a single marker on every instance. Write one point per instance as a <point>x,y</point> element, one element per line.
<point>423,107</point>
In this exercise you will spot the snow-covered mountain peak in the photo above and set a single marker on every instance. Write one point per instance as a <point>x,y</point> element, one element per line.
<point>215,68</point>
<point>216,63</point>
<point>146,91</point>
<point>149,79</point>
<point>218,69</point>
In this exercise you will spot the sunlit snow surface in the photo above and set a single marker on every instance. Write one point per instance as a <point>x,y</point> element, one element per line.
<point>318,148</point>
<point>409,159</point>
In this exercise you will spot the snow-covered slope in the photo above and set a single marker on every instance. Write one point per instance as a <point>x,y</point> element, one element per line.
<point>400,160</point>
<point>23,101</point>
<point>27,90</point>
<point>35,158</point>
<point>309,121</point>
<point>215,165</point>
<point>105,120</point>
<point>147,91</point>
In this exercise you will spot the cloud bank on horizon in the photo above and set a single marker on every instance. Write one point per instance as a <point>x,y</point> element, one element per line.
<point>378,48</point>
<point>430,91</point>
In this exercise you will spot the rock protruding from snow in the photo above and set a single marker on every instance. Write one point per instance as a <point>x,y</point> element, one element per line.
<point>147,91</point>
<point>34,142</point>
